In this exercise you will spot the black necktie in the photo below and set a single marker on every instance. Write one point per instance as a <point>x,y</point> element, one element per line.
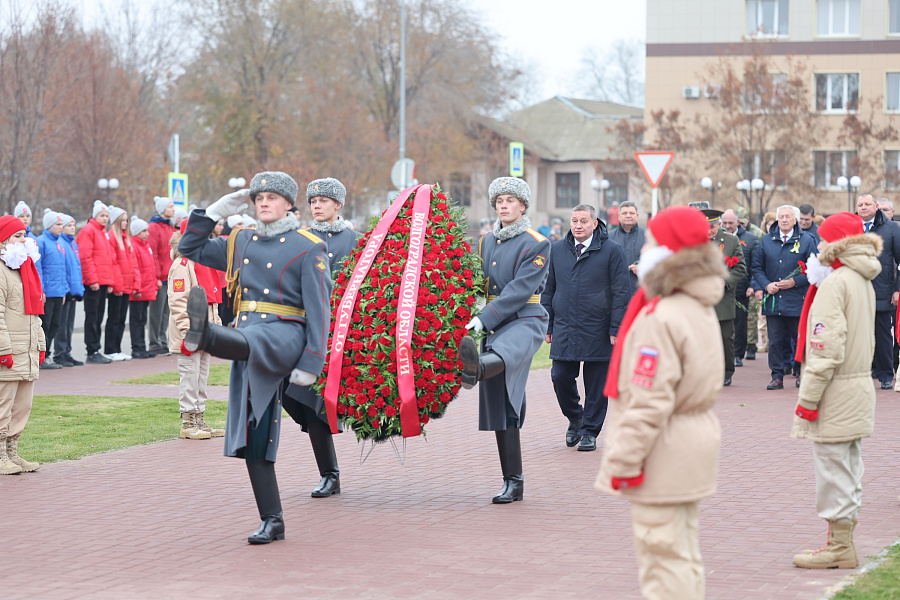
<point>579,248</point>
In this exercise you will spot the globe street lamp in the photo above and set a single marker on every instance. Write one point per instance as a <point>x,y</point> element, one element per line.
<point>601,185</point>
<point>108,185</point>
<point>237,183</point>
<point>851,184</point>
<point>707,184</point>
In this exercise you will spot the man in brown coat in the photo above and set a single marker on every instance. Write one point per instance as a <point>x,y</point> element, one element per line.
<point>662,441</point>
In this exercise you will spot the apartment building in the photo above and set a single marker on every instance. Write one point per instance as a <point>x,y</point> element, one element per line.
<point>852,48</point>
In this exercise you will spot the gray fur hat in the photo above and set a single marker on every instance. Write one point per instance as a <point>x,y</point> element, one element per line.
<point>274,181</point>
<point>512,186</point>
<point>328,187</point>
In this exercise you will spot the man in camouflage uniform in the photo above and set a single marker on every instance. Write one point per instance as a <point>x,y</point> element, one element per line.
<point>326,198</point>
<point>515,262</point>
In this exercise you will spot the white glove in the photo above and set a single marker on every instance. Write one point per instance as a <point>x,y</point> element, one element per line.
<point>234,203</point>
<point>302,378</point>
<point>476,324</point>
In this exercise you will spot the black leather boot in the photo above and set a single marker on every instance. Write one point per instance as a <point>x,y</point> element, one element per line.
<point>224,342</point>
<point>475,367</point>
<point>268,501</point>
<point>323,448</point>
<point>510,450</point>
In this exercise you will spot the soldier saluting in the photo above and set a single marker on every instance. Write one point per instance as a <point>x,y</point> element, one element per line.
<point>326,198</point>
<point>281,285</point>
<point>515,261</point>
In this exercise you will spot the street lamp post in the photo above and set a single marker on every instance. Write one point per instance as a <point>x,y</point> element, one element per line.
<point>237,183</point>
<point>851,184</point>
<point>707,184</point>
<point>108,185</point>
<point>601,185</point>
<point>747,187</point>
<point>758,185</point>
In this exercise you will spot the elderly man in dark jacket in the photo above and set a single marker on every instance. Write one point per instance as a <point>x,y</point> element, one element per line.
<point>586,295</point>
<point>781,285</point>
<point>886,285</point>
<point>630,236</point>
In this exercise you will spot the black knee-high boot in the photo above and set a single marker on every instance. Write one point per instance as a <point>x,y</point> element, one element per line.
<point>510,448</point>
<point>224,342</point>
<point>475,367</point>
<point>268,501</point>
<point>323,448</point>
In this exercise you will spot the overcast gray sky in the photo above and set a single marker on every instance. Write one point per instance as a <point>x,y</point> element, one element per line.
<point>548,36</point>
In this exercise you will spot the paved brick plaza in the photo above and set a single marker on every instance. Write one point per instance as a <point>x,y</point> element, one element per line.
<point>170,520</point>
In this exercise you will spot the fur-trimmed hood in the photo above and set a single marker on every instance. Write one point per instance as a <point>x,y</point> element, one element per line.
<point>697,271</point>
<point>858,252</point>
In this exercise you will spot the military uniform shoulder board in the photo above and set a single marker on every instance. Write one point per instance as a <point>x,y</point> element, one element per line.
<point>310,236</point>
<point>536,235</point>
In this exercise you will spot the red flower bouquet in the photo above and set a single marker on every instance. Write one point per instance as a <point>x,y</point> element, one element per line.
<point>399,310</point>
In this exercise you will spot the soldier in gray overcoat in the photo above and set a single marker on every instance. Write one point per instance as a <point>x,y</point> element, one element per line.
<point>515,259</point>
<point>281,285</point>
<point>326,198</point>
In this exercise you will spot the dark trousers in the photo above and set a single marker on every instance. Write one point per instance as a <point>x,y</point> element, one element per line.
<point>53,308</point>
<point>782,337</point>
<point>137,323</point>
<point>883,361</point>
<point>158,338</point>
<point>727,330</point>
<point>62,343</point>
<point>563,373</point>
<point>94,307</point>
<point>740,326</point>
<point>115,322</point>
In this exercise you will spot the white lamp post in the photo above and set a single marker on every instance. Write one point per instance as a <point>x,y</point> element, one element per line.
<point>237,183</point>
<point>851,184</point>
<point>601,185</point>
<point>108,185</point>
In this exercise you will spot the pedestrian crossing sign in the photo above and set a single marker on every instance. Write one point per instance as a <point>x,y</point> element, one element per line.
<point>178,189</point>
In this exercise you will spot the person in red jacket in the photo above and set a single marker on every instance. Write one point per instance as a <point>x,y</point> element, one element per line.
<point>97,275</point>
<point>146,293</point>
<point>127,281</point>
<point>161,230</point>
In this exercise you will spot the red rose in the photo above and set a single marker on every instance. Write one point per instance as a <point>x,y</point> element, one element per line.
<point>376,423</point>
<point>372,411</point>
<point>390,411</point>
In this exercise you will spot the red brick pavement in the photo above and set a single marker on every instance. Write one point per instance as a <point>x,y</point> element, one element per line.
<point>169,520</point>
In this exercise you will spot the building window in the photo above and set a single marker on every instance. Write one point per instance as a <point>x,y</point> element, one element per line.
<point>461,189</point>
<point>894,17</point>
<point>831,164</point>
<point>769,166</point>
<point>837,92</point>
<point>767,18</point>
<point>764,93</point>
<point>567,190</point>
<point>893,91</point>
<point>892,169</point>
<point>618,189</point>
<point>838,17</point>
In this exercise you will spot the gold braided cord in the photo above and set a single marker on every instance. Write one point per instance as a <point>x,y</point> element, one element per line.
<point>232,275</point>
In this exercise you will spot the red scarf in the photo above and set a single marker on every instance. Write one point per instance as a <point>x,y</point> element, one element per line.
<point>638,302</point>
<point>804,316</point>
<point>208,279</point>
<point>32,287</point>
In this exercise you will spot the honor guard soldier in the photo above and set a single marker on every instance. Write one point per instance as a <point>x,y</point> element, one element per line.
<point>515,262</point>
<point>281,286</point>
<point>326,198</point>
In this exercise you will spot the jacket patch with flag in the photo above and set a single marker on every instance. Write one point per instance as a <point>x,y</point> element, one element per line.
<point>178,285</point>
<point>645,369</point>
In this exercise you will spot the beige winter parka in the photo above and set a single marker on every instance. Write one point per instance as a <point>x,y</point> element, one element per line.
<point>670,377</point>
<point>20,334</point>
<point>182,278</point>
<point>840,342</point>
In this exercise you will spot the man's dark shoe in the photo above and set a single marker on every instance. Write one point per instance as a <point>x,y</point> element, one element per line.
<point>776,384</point>
<point>588,443</point>
<point>751,355</point>
<point>572,435</point>
<point>886,385</point>
<point>63,361</point>
<point>142,354</point>
<point>727,382</point>
<point>76,363</point>
<point>797,382</point>
<point>97,359</point>
<point>49,365</point>
<point>738,362</point>
<point>270,529</point>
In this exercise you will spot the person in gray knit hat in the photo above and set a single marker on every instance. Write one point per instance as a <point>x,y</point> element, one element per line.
<point>515,259</point>
<point>326,198</point>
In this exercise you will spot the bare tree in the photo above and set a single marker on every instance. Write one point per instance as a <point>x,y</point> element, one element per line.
<point>615,74</point>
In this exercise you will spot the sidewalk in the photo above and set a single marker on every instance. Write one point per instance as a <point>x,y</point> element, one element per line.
<point>170,520</point>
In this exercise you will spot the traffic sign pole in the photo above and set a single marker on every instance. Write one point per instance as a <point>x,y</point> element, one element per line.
<point>654,165</point>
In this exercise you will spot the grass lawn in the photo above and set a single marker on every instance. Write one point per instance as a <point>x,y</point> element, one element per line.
<point>67,427</point>
<point>880,583</point>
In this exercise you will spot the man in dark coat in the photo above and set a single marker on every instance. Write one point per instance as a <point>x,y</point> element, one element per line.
<point>886,286</point>
<point>326,198</point>
<point>780,284</point>
<point>586,295</point>
<point>807,221</point>
<point>281,284</point>
<point>630,236</point>
<point>744,290</point>
<point>733,255</point>
<point>514,258</point>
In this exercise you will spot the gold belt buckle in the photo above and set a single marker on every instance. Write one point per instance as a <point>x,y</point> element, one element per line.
<point>252,306</point>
